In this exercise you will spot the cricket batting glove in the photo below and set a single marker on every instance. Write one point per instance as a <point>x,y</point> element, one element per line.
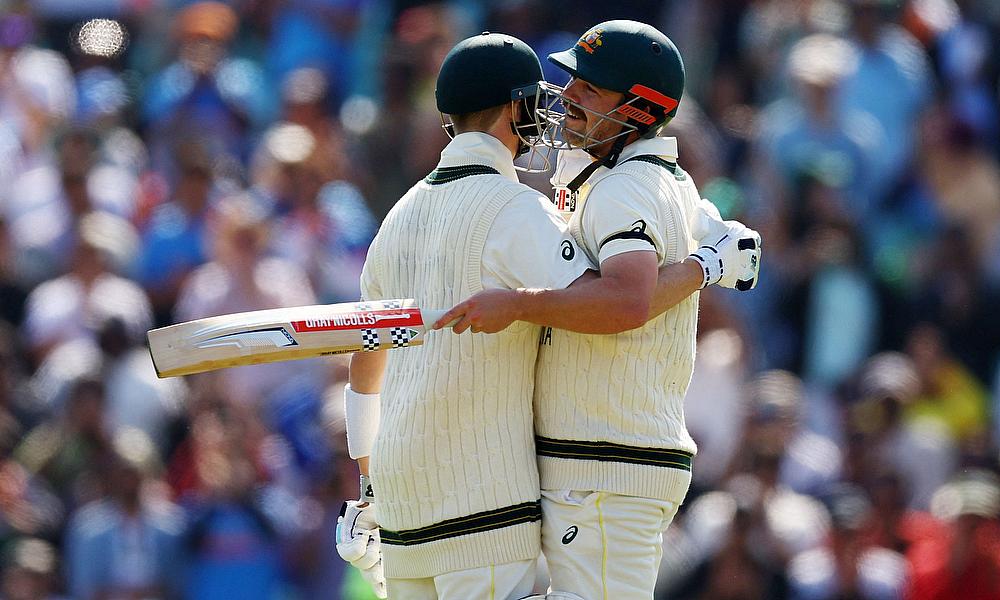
<point>358,539</point>
<point>729,256</point>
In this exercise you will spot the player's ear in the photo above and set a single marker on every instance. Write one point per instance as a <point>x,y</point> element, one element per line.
<point>515,109</point>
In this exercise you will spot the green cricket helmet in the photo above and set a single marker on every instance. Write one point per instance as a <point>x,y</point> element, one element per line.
<point>489,70</point>
<point>631,58</point>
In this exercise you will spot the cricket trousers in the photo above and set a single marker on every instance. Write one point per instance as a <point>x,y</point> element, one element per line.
<point>604,546</point>
<point>508,581</point>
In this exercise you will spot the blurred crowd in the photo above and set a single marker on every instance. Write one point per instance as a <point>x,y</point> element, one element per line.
<point>163,160</point>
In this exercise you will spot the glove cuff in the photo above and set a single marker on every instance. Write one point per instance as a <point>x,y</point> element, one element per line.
<point>711,265</point>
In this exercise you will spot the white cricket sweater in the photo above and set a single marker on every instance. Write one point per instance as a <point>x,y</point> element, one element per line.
<point>609,408</point>
<point>453,467</point>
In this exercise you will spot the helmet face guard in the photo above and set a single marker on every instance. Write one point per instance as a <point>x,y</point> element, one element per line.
<point>556,135</point>
<point>529,128</point>
<point>630,116</point>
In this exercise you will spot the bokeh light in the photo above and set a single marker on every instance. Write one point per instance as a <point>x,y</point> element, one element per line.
<point>102,37</point>
<point>289,143</point>
<point>359,114</point>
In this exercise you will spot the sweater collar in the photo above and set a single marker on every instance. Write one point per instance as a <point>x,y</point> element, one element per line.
<point>664,147</point>
<point>477,148</point>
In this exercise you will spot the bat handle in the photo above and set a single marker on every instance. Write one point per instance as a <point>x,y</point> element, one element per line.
<point>431,316</point>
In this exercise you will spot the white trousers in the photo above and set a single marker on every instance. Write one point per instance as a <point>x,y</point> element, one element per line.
<point>508,581</point>
<point>603,546</point>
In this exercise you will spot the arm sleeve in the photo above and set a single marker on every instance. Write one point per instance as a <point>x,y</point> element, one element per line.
<point>620,216</point>
<point>529,246</point>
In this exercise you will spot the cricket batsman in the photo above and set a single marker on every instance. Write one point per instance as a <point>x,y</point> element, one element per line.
<point>453,502</point>
<point>614,453</point>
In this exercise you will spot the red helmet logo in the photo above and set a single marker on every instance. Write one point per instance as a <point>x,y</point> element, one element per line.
<point>635,113</point>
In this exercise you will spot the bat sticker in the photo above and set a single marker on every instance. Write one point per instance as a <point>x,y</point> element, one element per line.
<point>277,337</point>
<point>370,341</point>
<point>401,336</point>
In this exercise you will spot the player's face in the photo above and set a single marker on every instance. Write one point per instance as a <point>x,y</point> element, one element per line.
<point>580,124</point>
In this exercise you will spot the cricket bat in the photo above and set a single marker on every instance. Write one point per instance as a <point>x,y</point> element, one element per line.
<point>286,334</point>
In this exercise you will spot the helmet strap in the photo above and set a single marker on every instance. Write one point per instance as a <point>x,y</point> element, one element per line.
<point>609,160</point>
<point>522,148</point>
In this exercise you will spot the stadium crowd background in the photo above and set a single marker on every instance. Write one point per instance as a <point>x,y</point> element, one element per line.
<point>164,161</point>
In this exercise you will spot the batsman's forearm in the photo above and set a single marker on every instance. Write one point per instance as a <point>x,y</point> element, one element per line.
<point>594,306</point>
<point>367,369</point>
<point>674,283</point>
<point>603,305</point>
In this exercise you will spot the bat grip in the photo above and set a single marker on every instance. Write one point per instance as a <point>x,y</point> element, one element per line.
<point>429,317</point>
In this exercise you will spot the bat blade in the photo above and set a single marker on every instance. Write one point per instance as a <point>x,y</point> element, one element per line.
<point>287,334</point>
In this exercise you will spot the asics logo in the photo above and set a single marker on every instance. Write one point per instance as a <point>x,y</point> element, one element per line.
<point>568,252</point>
<point>570,534</point>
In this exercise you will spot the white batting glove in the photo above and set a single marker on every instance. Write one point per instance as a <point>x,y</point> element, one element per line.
<point>729,256</point>
<point>358,541</point>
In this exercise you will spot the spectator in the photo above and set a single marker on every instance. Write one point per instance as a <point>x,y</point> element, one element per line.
<point>964,179</point>
<point>961,560</point>
<point>809,134</point>
<point>37,94</point>
<point>320,222</point>
<point>890,81</point>
<point>66,451</point>
<point>242,277</point>
<point>174,243</point>
<point>948,392</point>
<point>318,34</point>
<point>848,567</point>
<point>964,47</point>
<point>29,572</point>
<point>957,300</point>
<point>28,508</point>
<point>127,543</point>
<point>777,429</point>
<point>70,307</point>
<point>322,570</point>
<point>136,397</point>
<point>840,316</point>
<point>921,451</point>
<point>46,203</point>
<point>731,558</point>
<point>233,547</point>
<point>423,36</point>
<point>206,92</point>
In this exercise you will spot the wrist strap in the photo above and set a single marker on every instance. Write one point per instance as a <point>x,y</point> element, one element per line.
<point>361,415</point>
<point>706,265</point>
